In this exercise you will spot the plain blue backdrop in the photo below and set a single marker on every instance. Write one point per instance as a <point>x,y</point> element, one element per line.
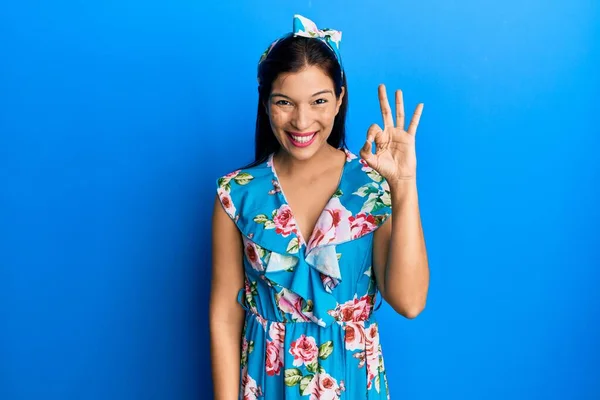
<point>117,116</point>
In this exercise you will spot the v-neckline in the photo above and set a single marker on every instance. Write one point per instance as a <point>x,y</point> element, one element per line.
<point>301,240</point>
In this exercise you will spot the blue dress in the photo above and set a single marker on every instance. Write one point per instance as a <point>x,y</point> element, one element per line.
<point>309,331</point>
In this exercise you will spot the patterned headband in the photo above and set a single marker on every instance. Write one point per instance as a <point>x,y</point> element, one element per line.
<point>306,28</point>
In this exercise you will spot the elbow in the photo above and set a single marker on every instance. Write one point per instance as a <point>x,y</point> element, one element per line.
<point>408,310</point>
<point>411,313</point>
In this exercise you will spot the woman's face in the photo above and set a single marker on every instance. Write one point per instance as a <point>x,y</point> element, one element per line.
<point>302,107</point>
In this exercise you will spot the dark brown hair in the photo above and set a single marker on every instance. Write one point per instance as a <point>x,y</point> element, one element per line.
<point>292,54</point>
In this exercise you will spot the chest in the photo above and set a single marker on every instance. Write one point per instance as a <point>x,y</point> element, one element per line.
<point>307,199</point>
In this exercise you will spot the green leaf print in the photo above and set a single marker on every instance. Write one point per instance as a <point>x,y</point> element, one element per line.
<point>378,205</point>
<point>244,358</point>
<point>339,255</point>
<point>308,307</point>
<point>252,302</point>
<point>305,382</point>
<point>269,224</point>
<point>313,367</point>
<point>338,193</point>
<point>261,251</point>
<point>293,376</point>
<point>264,220</point>
<point>261,219</point>
<point>369,204</point>
<point>367,189</point>
<point>325,350</point>
<point>371,287</point>
<point>377,383</point>
<point>374,175</point>
<point>292,247</point>
<point>243,178</point>
<point>379,218</point>
<point>254,288</point>
<point>224,184</point>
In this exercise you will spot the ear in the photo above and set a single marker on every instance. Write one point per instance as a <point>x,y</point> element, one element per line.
<point>340,99</point>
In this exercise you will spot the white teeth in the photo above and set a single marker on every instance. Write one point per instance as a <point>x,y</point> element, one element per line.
<point>302,139</point>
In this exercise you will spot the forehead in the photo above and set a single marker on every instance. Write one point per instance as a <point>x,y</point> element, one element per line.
<point>308,80</point>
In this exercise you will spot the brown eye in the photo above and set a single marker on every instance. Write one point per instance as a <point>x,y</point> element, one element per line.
<point>282,103</point>
<point>320,101</point>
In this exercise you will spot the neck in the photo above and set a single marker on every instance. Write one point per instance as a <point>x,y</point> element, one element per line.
<point>314,165</point>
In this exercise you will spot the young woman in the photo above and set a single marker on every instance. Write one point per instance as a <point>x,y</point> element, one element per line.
<point>303,238</point>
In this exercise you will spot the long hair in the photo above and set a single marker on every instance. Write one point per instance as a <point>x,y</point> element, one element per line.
<point>292,54</point>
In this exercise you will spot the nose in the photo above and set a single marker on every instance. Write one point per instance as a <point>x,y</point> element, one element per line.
<point>302,118</point>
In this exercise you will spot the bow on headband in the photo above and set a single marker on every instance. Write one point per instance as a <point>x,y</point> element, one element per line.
<point>306,28</point>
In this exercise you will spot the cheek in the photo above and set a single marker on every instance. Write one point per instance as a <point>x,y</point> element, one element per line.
<point>326,115</point>
<point>278,117</point>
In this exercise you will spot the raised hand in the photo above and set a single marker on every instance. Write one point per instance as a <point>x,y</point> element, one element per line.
<point>395,155</point>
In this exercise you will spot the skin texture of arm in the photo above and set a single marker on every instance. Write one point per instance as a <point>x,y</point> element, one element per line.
<point>399,254</point>
<point>226,315</point>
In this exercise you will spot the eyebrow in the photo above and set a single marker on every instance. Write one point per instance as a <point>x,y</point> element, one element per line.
<point>314,94</point>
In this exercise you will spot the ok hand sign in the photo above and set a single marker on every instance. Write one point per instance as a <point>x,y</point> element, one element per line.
<point>395,156</point>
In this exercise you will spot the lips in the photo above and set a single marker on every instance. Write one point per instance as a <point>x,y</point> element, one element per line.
<point>302,139</point>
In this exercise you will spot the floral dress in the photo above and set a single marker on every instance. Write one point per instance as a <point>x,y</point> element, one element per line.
<point>309,331</point>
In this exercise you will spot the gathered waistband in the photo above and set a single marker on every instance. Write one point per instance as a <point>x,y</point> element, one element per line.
<point>340,319</point>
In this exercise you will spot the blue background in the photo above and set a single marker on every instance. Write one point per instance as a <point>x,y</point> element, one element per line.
<point>117,116</point>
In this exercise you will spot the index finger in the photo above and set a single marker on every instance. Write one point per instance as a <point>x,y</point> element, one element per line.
<point>386,111</point>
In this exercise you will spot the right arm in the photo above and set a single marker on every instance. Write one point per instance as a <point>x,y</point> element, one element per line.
<point>226,315</point>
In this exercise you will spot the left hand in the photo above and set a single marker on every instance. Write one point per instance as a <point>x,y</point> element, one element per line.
<point>395,155</point>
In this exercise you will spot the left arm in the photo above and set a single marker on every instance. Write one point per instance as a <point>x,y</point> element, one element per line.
<point>399,253</point>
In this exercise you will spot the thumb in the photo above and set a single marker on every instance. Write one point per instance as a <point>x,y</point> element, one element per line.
<point>367,150</point>
<point>366,153</point>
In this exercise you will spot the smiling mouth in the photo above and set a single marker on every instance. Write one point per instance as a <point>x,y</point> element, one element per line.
<point>302,138</point>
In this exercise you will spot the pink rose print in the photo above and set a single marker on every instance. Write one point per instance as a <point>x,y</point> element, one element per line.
<point>226,201</point>
<point>365,166</point>
<point>305,350</point>
<point>360,356</point>
<point>355,336</point>
<point>323,387</point>
<point>372,353</point>
<point>276,187</point>
<point>332,225</point>
<point>252,255</point>
<point>250,390</point>
<point>329,283</point>
<point>284,221</point>
<point>274,357</point>
<point>354,310</point>
<point>262,321</point>
<point>248,296</point>
<point>361,224</point>
<point>232,175</point>
<point>290,303</point>
<point>350,156</point>
<point>245,348</point>
<point>277,332</point>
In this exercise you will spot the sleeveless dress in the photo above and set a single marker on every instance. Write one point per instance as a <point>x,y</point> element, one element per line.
<point>309,331</point>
